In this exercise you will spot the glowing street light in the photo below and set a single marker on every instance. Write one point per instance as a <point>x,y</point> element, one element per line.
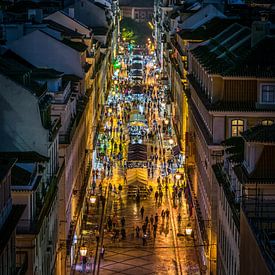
<point>171,141</point>
<point>110,110</point>
<point>166,121</point>
<point>83,251</point>
<point>92,199</point>
<point>115,82</point>
<point>188,230</point>
<point>178,176</point>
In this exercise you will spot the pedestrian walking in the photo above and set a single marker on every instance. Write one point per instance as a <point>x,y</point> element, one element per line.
<point>151,220</point>
<point>179,218</point>
<point>142,211</point>
<point>163,215</point>
<point>102,252</point>
<point>156,218</point>
<point>144,237</point>
<point>156,196</point>
<point>122,221</point>
<point>167,212</point>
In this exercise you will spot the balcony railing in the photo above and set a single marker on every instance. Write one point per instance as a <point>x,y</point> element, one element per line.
<point>32,226</point>
<point>67,137</point>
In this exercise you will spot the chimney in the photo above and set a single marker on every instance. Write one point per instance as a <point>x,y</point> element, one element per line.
<point>71,12</point>
<point>259,30</point>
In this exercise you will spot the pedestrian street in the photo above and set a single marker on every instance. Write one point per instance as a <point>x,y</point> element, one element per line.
<point>140,216</point>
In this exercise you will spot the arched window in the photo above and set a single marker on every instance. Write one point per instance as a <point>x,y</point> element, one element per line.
<point>267,122</point>
<point>237,127</point>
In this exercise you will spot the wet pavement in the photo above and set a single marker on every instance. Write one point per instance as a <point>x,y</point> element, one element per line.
<point>169,250</point>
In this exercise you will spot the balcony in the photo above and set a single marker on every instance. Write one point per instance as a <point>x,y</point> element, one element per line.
<point>67,137</point>
<point>32,226</point>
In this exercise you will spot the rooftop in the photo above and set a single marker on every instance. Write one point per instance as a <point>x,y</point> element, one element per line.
<point>206,31</point>
<point>78,46</point>
<point>5,165</point>
<point>65,31</point>
<point>26,157</point>
<point>230,54</point>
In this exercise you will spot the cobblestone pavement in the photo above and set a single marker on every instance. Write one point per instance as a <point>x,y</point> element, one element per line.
<point>158,256</point>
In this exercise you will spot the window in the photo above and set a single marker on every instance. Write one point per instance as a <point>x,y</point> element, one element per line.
<point>267,122</point>
<point>237,127</point>
<point>268,94</point>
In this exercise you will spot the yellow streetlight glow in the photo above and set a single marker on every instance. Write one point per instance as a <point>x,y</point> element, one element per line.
<point>171,141</point>
<point>83,251</point>
<point>92,199</point>
<point>188,230</point>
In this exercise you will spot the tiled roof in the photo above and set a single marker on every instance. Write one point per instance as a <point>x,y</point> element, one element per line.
<point>30,156</point>
<point>259,62</point>
<point>217,55</point>
<point>230,54</point>
<point>260,133</point>
<point>100,30</point>
<point>21,74</point>
<point>65,31</point>
<point>46,73</point>
<point>78,46</point>
<point>206,31</point>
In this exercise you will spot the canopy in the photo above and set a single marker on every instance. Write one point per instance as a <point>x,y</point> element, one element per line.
<point>137,152</point>
<point>137,176</point>
<point>136,117</point>
<point>138,123</point>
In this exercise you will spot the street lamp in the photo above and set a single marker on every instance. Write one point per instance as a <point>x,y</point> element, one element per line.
<point>92,199</point>
<point>166,121</point>
<point>110,110</point>
<point>178,176</point>
<point>188,230</point>
<point>115,82</point>
<point>171,141</point>
<point>83,251</point>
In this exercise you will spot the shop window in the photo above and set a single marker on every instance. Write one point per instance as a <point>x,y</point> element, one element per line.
<point>267,122</point>
<point>237,127</point>
<point>268,93</point>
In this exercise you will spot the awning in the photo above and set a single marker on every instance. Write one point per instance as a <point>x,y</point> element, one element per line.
<point>137,152</point>
<point>137,176</point>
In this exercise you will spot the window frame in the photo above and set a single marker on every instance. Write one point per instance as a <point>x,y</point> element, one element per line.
<point>261,93</point>
<point>267,122</point>
<point>237,125</point>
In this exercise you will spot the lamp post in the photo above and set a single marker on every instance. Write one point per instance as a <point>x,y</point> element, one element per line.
<point>83,252</point>
<point>92,199</point>
<point>171,141</point>
<point>188,230</point>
